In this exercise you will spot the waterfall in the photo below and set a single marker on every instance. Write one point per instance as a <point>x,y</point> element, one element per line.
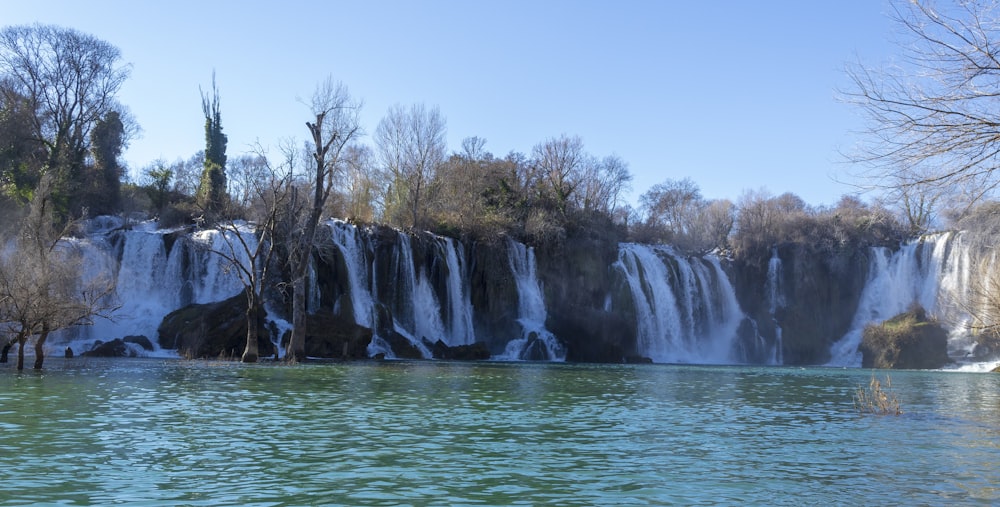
<point>215,276</point>
<point>346,238</point>
<point>935,272</point>
<point>419,311</point>
<point>685,308</point>
<point>459,295</point>
<point>775,301</point>
<point>535,340</point>
<point>150,281</point>
<point>143,288</point>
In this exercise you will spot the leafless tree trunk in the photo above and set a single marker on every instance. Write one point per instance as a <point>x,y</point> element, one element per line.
<point>40,346</point>
<point>265,198</point>
<point>335,125</point>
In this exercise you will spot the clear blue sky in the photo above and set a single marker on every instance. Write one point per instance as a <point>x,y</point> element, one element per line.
<point>735,95</point>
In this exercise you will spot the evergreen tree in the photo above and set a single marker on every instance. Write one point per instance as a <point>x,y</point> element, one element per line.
<point>106,142</point>
<point>212,188</point>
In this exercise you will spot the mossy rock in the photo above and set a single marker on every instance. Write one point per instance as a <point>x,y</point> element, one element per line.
<point>910,340</point>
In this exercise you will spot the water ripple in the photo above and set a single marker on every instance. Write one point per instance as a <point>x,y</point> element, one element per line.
<point>168,432</point>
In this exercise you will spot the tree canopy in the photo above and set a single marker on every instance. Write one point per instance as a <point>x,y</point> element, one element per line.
<point>57,85</point>
<point>932,116</point>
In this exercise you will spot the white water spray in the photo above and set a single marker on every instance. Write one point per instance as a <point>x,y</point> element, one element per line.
<point>531,313</point>
<point>935,272</point>
<point>686,309</point>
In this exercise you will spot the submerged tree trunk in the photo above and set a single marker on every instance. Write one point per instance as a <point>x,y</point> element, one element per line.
<point>40,347</point>
<point>296,350</point>
<point>254,311</point>
<point>20,352</point>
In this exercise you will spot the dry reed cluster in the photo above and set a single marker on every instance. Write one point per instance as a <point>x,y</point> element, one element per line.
<point>877,398</point>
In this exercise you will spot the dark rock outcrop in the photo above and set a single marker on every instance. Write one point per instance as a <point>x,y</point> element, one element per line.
<point>139,340</point>
<point>332,337</point>
<point>211,330</point>
<point>474,352</point>
<point>493,294</point>
<point>220,329</point>
<point>909,340</point>
<point>113,348</point>
<point>577,276</point>
<point>119,347</point>
<point>821,292</point>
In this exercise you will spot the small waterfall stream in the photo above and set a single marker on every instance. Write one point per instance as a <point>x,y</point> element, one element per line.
<point>775,301</point>
<point>536,342</point>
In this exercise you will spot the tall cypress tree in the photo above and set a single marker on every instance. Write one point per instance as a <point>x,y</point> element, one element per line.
<point>212,189</point>
<point>107,139</point>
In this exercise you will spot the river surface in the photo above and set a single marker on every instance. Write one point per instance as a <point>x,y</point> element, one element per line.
<point>175,432</point>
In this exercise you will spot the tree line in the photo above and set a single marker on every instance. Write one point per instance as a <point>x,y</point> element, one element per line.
<point>62,132</point>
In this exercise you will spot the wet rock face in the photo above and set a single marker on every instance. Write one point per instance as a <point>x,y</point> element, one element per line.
<point>220,329</point>
<point>475,352</point>
<point>577,279</point>
<point>332,337</point>
<point>909,340</point>
<point>119,347</point>
<point>820,292</point>
<point>493,295</point>
<point>139,340</point>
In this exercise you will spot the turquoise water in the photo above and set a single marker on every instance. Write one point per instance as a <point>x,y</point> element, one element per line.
<point>173,432</point>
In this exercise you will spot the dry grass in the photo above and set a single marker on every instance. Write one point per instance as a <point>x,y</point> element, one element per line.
<point>877,398</point>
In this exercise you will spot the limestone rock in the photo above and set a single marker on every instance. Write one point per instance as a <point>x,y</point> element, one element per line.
<point>909,340</point>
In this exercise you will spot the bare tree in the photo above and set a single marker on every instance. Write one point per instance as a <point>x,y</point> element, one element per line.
<point>713,225</point>
<point>244,176</point>
<point>250,249</point>
<point>187,173</point>
<point>42,287</point>
<point>561,162</point>
<point>358,198</point>
<point>757,220</point>
<point>932,116</point>
<point>676,212</point>
<point>411,146</point>
<point>672,206</point>
<point>336,125</point>
<point>603,184</point>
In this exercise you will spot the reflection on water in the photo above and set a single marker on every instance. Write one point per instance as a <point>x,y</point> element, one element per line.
<point>174,432</point>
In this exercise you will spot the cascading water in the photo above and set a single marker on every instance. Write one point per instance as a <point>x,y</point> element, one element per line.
<point>215,277</point>
<point>459,298</point>
<point>685,308</point>
<point>775,301</point>
<point>346,238</point>
<point>410,292</point>
<point>535,339</point>
<point>934,272</point>
<point>150,282</point>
